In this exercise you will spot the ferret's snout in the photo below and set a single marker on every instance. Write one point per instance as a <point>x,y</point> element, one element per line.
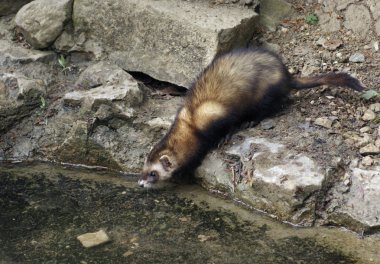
<point>141,182</point>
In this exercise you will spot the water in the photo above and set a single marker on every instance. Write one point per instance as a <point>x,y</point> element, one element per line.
<point>43,209</point>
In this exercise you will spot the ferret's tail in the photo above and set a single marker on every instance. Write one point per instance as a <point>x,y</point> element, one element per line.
<point>333,79</point>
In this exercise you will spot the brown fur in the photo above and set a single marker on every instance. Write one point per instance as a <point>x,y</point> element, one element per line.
<point>235,88</point>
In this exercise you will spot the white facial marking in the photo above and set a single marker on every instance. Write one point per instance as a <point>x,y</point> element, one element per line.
<point>163,175</point>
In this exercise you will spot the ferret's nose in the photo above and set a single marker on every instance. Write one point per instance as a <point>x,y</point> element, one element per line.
<point>141,183</point>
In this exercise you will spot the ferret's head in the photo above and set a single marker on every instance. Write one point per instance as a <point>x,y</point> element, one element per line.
<point>158,169</point>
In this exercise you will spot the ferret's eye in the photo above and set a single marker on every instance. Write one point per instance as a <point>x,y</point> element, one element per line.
<point>153,174</point>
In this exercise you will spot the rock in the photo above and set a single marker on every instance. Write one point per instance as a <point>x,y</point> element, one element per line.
<point>128,253</point>
<point>370,149</point>
<point>8,7</point>
<point>329,22</point>
<point>302,51</point>
<point>368,115</point>
<point>308,70</point>
<point>267,124</point>
<point>271,178</point>
<point>89,240</point>
<point>377,27</point>
<point>376,46</point>
<point>324,122</point>
<point>181,48</point>
<point>19,96</point>
<point>375,107</point>
<point>332,44</point>
<point>359,207</point>
<point>159,122</point>
<point>11,53</point>
<point>203,238</point>
<point>367,161</point>
<point>374,6</point>
<point>101,73</point>
<point>328,6</point>
<point>64,42</point>
<point>273,11</point>
<point>42,21</point>
<point>357,57</point>
<point>342,4</point>
<point>365,129</point>
<point>358,19</point>
<point>320,41</point>
<point>79,148</point>
<point>128,92</point>
<point>112,84</point>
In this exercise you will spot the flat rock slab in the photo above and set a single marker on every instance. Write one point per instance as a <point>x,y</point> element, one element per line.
<point>42,21</point>
<point>89,240</point>
<point>112,84</point>
<point>358,19</point>
<point>11,53</point>
<point>359,206</point>
<point>167,39</point>
<point>268,177</point>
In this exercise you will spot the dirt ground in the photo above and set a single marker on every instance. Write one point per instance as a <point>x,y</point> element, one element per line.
<point>296,42</point>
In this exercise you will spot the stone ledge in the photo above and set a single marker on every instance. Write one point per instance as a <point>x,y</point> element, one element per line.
<point>169,40</point>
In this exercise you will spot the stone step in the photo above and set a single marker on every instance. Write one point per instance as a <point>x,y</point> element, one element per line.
<point>168,39</point>
<point>294,187</point>
<point>269,177</point>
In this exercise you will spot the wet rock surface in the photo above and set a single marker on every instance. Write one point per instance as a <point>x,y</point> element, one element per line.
<point>61,204</point>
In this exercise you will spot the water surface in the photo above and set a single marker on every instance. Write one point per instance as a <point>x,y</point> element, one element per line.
<point>43,208</point>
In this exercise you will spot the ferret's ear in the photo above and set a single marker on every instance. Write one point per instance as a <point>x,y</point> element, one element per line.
<point>165,161</point>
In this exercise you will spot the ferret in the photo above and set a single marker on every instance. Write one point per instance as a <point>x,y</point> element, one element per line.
<point>236,88</point>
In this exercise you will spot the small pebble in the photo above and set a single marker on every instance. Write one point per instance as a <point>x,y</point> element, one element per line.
<point>320,41</point>
<point>376,46</point>
<point>267,124</point>
<point>203,238</point>
<point>89,240</point>
<point>369,149</point>
<point>365,129</point>
<point>347,182</point>
<point>357,57</point>
<point>332,44</point>
<point>367,161</point>
<point>324,122</point>
<point>375,107</point>
<point>368,115</point>
<point>128,253</point>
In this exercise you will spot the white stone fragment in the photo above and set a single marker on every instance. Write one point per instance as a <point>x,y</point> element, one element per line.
<point>89,240</point>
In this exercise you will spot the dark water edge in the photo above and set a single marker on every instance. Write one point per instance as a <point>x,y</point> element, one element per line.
<point>43,209</point>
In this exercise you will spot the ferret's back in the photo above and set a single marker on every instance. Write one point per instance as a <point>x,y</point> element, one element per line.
<point>239,76</point>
